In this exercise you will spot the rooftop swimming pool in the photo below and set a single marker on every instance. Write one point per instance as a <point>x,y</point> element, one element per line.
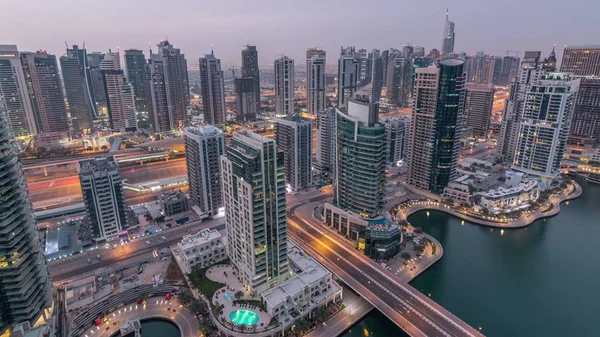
<point>243,316</point>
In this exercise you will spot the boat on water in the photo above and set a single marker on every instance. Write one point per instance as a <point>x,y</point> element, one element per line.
<point>593,178</point>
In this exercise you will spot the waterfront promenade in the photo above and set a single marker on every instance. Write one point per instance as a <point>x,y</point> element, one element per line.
<point>550,208</point>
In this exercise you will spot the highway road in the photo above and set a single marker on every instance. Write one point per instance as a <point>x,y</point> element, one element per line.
<point>66,189</point>
<point>77,265</point>
<point>407,307</point>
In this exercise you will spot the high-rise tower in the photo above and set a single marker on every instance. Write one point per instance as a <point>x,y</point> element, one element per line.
<point>284,86</point>
<point>544,126</point>
<point>245,99</point>
<point>203,148</point>
<point>255,210</point>
<point>13,88</point>
<point>361,157</point>
<point>315,80</point>
<point>478,110</point>
<point>168,96</point>
<point>120,98</point>
<point>293,134</point>
<point>436,119</point>
<point>448,41</point>
<point>136,75</point>
<point>348,75</point>
<point>250,70</point>
<point>24,277</point>
<point>531,70</point>
<point>581,60</point>
<point>103,196</point>
<point>213,90</point>
<point>45,91</point>
<point>79,97</point>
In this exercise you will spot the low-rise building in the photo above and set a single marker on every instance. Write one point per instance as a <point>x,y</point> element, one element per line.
<point>173,203</point>
<point>202,249</point>
<point>458,192</point>
<point>378,238</point>
<point>507,199</point>
<point>312,286</point>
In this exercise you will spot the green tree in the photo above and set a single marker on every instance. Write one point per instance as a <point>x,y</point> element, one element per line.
<point>405,255</point>
<point>320,314</point>
<point>238,294</point>
<point>185,298</point>
<point>242,327</point>
<point>197,307</point>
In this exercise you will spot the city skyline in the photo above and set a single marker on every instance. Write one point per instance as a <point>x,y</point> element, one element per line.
<point>229,28</point>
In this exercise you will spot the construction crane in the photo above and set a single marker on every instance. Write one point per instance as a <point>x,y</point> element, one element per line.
<point>511,51</point>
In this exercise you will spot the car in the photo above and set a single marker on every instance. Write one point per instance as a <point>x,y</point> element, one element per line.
<point>163,238</point>
<point>98,257</point>
<point>147,242</point>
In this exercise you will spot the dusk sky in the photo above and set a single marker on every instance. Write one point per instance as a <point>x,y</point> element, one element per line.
<point>289,27</point>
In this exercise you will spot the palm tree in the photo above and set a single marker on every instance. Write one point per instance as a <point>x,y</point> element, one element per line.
<point>242,327</point>
<point>405,255</point>
<point>238,294</point>
<point>184,298</point>
<point>197,307</point>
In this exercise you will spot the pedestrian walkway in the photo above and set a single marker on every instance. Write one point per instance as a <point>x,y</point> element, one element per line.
<point>549,209</point>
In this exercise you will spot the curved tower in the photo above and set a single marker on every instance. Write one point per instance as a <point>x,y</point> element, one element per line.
<point>24,280</point>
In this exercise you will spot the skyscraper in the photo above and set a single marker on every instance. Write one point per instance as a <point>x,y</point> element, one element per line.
<point>293,135</point>
<point>245,99</point>
<point>361,157</point>
<point>398,133</point>
<point>95,80</point>
<point>103,197</point>
<point>509,70</point>
<point>119,93</point>
<point>325,141</point>
<point>545,121</point>
<point>25,281</point>
<point>348,76</point>
<point>436,118</point>
<point>375,74</point>
<point>136,75</point>
<point>213,90</point>
<point>45,91</point>
<point>448,41</point>
<point>585,125</point>
<point>284,86</point>
<point>400,79</point>
<point>84,68</point>
<point>255,210</point>
<point>169,95</point>
<point>250,70</point>
<point>581,60</point>
<point>478,110</point>
<point>203,148</point>
<point>531,70</point>
<point>315,80</point>
<point>75,77</point>
<point>13,88</point>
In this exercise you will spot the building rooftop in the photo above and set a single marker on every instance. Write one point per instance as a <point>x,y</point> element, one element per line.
<point>584,46</point>
<point>98,164</point>
<point>202,237</point>
<point>202,130</point>
<point>171,196</point>
<point>8,50</point>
